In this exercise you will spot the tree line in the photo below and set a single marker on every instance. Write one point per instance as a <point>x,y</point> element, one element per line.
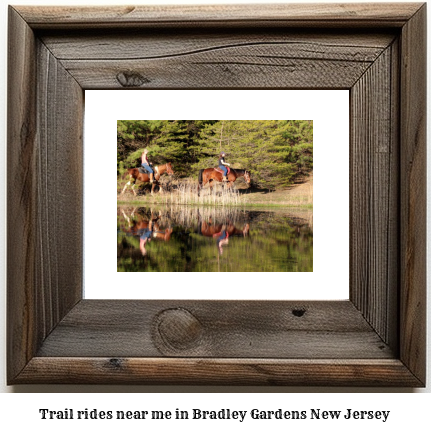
<point>276,152</point>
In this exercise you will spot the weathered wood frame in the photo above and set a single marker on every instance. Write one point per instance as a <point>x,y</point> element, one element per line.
<point>376,338</point>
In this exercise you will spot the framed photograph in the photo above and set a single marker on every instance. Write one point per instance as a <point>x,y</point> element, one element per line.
<point>269,227</point>
<point>374,337</point>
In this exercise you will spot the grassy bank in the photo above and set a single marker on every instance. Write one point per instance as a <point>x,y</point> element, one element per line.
<point>185,192</point>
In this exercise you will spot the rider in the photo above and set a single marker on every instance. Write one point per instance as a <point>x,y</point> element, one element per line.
<point>146,165</point>
<point>222,165</point>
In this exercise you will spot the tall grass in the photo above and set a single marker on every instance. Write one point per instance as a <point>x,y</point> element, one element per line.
<point>183,215</point>
<point>185,192</point>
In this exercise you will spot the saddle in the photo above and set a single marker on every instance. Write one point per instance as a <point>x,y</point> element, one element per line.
<point>142,170</point>
<point>221,172</point>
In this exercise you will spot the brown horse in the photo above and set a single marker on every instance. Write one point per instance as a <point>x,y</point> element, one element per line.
<point>134,175</point>
<point>217,230</point>
<point>211,174</point>
<point>210,230</point>
<point>137,223</point>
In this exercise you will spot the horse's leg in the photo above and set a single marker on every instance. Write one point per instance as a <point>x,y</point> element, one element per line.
<point>125,187</point>
<point>152,188</point>
<point>133,188</point>
<point>127,218</point>
<point>201,186</point>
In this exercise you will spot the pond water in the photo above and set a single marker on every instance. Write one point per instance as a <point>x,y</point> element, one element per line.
<point>190,239</point>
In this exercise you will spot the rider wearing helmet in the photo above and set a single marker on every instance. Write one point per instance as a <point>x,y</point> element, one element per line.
<point>222,165</point>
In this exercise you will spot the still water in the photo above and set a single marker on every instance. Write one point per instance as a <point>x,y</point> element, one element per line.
<point>190,239</point>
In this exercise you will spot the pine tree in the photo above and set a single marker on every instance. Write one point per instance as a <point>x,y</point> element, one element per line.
<point>276,152</point>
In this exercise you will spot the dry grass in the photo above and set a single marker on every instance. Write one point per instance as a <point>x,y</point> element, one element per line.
<point>168,215</point>
<point>190,215</point>
<point>184,192</point>
<point>297,195</point>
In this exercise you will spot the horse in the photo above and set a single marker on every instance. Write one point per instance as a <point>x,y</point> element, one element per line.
<point>210,230</point>
<point>137,224</point>
<point>211,174</point>
<point>217,230</point>
<point>135,175</point>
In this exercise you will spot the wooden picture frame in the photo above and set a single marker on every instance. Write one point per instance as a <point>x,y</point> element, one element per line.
<point>376,338</point>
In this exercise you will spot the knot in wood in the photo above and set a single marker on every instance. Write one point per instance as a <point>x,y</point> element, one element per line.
<point>115,363</point>
<point>131,79</point>
<point>178,329</point>
<point>298,312</point>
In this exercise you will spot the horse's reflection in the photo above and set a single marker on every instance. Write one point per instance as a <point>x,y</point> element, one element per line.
<point>222,232</point>
<point>145,228</point>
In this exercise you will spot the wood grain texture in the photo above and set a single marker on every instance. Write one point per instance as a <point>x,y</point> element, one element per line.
<point>21,194</point>
<point>413,194</point>
<point>263,65</point>
<point>144,45</point>
<point>204,59</point>
<point>374,195</point>
<point>45,105</point>
<point>59,182</point>
<point>54,336</point>
<point>208,72</point>
<point>302,15</point>
<point>196,371</point>
<point>226,329</point>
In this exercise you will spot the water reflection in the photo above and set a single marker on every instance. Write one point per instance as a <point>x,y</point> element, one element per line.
<point>206,239</point>
<point>221,232</point>
<point>146,228</point>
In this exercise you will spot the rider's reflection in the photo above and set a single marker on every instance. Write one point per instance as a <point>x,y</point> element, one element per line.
<point>146,229</point>
<point>145,236</point>
<point>222,232</point>
<point>222,238</point>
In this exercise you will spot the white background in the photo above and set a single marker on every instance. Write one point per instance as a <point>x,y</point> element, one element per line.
<point>330,277</point>
<point>20,410</point>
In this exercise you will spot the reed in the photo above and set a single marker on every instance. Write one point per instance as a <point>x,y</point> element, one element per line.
<point>185,192</point>
<point>183,215</point>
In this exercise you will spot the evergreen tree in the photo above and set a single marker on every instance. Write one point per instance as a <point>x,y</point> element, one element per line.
<point>276,152</point>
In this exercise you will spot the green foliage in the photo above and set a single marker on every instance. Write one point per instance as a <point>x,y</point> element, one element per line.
<point>275,151</point>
